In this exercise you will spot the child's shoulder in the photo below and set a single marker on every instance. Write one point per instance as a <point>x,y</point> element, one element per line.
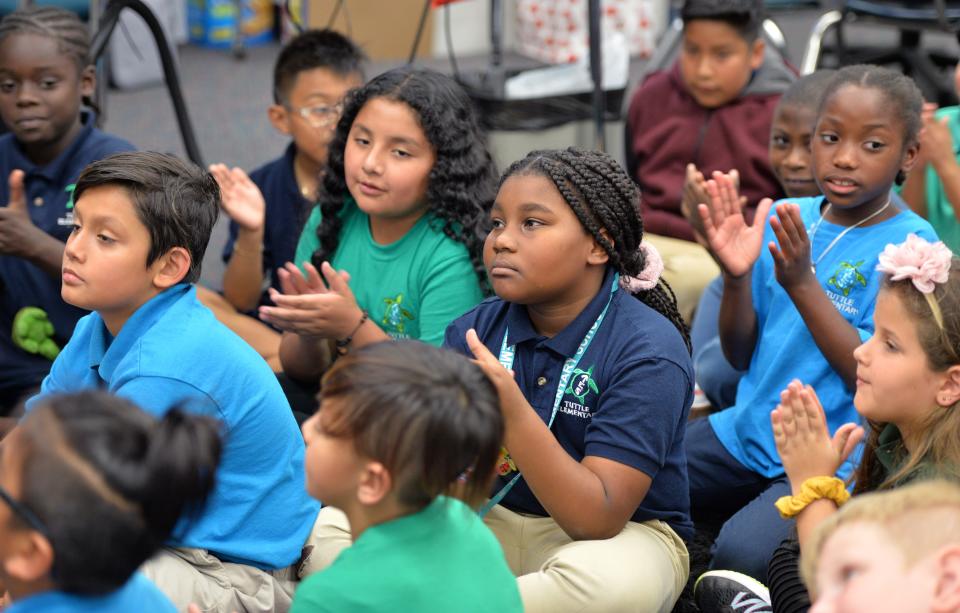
<point>279,168</point>
<point>641,332</point>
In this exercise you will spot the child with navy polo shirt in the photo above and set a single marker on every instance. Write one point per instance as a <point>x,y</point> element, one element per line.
<point>141,224</point>
<point>267,210</point>
<point>45,78</point>
<point>595,387</point>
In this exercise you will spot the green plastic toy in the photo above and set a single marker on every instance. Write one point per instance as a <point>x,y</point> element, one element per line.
<point>33,332</point>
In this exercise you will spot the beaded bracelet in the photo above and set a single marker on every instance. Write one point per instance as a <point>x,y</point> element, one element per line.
<point>811,490</point>
<point>343,344</point>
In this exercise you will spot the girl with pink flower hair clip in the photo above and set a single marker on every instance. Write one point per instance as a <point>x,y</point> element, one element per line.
<point>908,392</point>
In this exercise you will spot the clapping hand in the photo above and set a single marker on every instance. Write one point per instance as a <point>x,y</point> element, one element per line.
<point>800,431</point>
<point>734,243</point>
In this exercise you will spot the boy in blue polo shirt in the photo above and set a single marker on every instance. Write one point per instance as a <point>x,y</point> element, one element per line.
<point>44,80</point>
<point>141,224</point>
<point>267,210</point>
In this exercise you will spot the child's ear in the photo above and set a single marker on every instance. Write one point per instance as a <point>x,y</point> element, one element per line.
<point>375,484</point>
<point>949,392</point>
<point>279,118</point>
<point>88,81</point>
<point>910,154</point>
<point>32,558</point>
<point>946,598</point>
<point>598,255</point>
<point>171,268</point>
<point>757,50</point>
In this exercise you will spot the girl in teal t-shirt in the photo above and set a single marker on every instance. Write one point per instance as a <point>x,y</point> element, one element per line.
<point>403,484</point>
<point>393,248</point>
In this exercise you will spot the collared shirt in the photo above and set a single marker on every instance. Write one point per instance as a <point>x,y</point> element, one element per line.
<point>171,352</point>
<point>49,190</point>
<point>628,400</point>
<point>286,212</point>
<point>138,594</point>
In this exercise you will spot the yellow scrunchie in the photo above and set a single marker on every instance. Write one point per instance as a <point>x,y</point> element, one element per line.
<point>814,488</point>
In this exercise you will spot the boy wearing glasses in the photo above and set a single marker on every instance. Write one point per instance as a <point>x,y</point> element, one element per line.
<point>267,210</point>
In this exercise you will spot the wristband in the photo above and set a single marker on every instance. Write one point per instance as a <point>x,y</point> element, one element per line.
<point>811,490</point>
<point>343,344</point>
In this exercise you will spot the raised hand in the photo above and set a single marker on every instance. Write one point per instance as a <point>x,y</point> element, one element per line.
<point>734,243</point>
<point>240,198</point>
<point>936,142</point>
<point>310,308</point>
<point>800,431</point>
<point>792,258</point>
<point>17,232</point>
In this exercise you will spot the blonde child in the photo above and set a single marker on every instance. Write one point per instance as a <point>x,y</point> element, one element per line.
<point>888,552</point>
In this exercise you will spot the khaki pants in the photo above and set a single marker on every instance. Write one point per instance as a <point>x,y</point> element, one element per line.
<point>687,267</point>
<point>644,568</point>
<point>195,576</point>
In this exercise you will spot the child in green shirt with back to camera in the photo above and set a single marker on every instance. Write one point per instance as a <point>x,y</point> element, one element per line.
<point>404,432</point>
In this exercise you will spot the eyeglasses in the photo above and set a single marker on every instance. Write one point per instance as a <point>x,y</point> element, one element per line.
<point>23,512</point>
<point>319,116</point>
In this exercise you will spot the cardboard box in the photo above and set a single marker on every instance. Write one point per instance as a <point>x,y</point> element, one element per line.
<point>384,28</point>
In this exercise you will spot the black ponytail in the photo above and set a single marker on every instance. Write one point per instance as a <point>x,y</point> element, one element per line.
<point>606,201</point>
<point>110,482</point>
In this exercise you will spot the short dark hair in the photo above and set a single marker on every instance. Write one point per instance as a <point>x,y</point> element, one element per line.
<point>109,482</point>
<point>744,16</point>
<point>429,415</point>
<point>808,91</point>
<point>177,201</point>
<point>315,49</point>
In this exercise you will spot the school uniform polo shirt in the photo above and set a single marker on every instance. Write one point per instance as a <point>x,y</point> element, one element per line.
<point>171,352</point>
<point>49,190</point>
<point>138,594</point>
<point>627,401</point>
<point>286,212</point>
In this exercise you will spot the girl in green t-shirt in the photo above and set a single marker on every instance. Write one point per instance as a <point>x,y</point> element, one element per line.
<point>394,244</point>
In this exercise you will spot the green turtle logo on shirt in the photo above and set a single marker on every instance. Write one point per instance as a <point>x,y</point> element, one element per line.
<point>582,383</point>
<point>394,314</point>
<point>846,276</point>
<point>69,189</point>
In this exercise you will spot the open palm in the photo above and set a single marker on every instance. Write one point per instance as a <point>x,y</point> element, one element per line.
<point>240,197</point>
<point>735,243</point>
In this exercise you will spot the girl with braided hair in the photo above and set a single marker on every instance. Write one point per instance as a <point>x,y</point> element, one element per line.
<point>407,187</point>
<point>595,386</point>
<point>46,79</point>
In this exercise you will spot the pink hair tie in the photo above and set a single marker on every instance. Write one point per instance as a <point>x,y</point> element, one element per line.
<point>649,276</point>
<point>924,263</point>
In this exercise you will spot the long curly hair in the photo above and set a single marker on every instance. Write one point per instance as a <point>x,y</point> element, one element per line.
<point>606,201</point>
<point>462,183</point>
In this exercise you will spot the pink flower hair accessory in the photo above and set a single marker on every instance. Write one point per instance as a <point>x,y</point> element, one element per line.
<point>649,276</point>
<point>919,260</point>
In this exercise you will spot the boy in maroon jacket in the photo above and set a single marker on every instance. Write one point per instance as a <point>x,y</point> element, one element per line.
<point>711,111</point>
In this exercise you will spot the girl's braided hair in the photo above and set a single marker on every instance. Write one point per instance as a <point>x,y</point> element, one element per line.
<point>71,34</point>
<point>462,182</point>
<point>606,201</point>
